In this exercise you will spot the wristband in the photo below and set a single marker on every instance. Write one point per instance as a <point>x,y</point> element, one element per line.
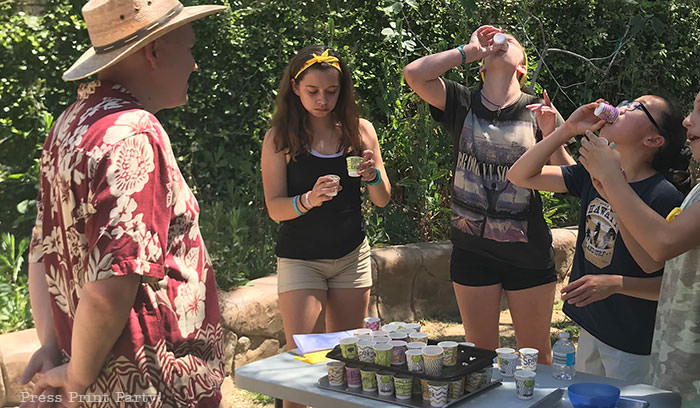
<point>294,201</point>
<point>461,51</point>
<point>377,179</point>
<point>307,201</point>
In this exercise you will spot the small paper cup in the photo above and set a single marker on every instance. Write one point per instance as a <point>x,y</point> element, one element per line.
<point>385,383</point>
<point>336,179</point>
<point>528,358</point>
<point>348,347</point>
<point>418,336</point>
<point>352,163</point>
<point>336,373</point>
<point>403,386</point>
<point>449,359</point>
<point>525,384</point>
<point>382,354</point>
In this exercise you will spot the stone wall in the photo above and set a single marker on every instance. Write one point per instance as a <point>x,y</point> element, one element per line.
<point>411,282</point>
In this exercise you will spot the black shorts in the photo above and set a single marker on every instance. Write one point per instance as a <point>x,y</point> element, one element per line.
<point>470,269</point>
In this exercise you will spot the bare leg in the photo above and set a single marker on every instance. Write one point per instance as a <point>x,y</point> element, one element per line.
<point>531,310</point>
<point>479,307</point>
<point>302,312</point>
<point>346,308</point>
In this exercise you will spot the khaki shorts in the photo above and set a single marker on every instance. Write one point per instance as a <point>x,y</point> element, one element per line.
<point>354,270</point>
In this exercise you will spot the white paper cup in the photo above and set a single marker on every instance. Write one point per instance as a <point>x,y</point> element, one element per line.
<point>502,351</point>
<point>508,363</point>
<point>438,394</point>
<point>412,327</point>
<point>361,332</point>
<point>336,373</point>
<point>525,384</point>
<point>432,360</point>
<point>419,336</point>
<point>415,345</point>
<point>414,360</point>
<point>336,179</point>
<point>352,163</point>
<point>528,358</point>
<point>449,359</point>
<point>385,383</point>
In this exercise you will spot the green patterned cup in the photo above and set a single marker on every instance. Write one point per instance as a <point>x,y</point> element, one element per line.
<point>382,354</point>
<point>353,162</point>
<point>385,383</point>
<point>403,386</point>
<point>449,359</point>
<point>455,389</point>
<point>348,347</point>
<point>369,380</point>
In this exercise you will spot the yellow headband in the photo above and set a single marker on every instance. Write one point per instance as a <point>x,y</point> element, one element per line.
<point>328,59</point>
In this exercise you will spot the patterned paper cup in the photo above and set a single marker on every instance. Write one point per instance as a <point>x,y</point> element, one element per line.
<point>449,359</point>
<point>414,360</point>
<point>336,373</point>
<point>508,363</point>
<point>382,354</point>
<point>385,383</point>
<point>503,350</point>
<point>353,162</point>
<point>425,393</point>
<point>398,352</point>
<point>432,360</point>
<point>438,394</point>
<point>455,389</point>
<point>362,332</point>
<point>336,179</point>
<point>528,357</point>
<point>418,345</point>
<point>403,385</point>
<point>418,336</point>
<point>365,350</point>
<point>372,323</point>
<point>348,347</point>
<point>354,379</point>
<point>413,327</point>
<point>525,383</point>
<point>399,335</point>
<point>476,380</point>
<point>369,380</point>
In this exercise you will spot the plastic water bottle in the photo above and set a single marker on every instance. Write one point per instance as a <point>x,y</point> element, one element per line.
<point>563,358</point>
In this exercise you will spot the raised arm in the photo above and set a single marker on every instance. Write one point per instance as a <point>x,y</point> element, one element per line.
<point>423,74</point>
<point>661,239</point>
<point>531,169</point>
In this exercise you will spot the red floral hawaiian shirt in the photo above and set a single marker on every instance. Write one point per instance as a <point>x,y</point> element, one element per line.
<point>113,202</point>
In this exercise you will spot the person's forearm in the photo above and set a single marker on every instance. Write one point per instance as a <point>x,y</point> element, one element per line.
<point>643,288</point>
<point>643,259</point>
<point>282,208</point>
<point>530,164</point>
<point>380,194</point>
<point>100,318</point>
<point>561,157</point>
<point>40,300</point>
<point>430,67</point>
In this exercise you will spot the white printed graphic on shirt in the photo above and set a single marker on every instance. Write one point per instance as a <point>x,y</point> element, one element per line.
<point>601,232</point>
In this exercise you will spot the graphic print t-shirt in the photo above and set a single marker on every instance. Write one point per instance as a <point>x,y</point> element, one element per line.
<point>623,322</point>
<point>490,216</point>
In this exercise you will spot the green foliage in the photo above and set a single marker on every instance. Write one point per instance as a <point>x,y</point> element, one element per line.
<point>15,310</point>
<point>632,47</point>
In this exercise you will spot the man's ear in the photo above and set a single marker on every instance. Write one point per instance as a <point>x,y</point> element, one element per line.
<point>150,53</point>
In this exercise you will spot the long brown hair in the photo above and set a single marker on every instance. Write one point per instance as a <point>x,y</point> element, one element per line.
<point>291,120</point>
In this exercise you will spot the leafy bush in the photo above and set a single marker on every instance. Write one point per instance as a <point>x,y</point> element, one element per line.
<point>621,49</point>
<point>15,310</point>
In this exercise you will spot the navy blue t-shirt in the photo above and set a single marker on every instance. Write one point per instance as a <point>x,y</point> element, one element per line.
<point>620,321</point>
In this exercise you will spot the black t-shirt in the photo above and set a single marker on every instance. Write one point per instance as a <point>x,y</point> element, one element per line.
<point>620,321</point>
<point>332,230</point>
<point>491,217</point>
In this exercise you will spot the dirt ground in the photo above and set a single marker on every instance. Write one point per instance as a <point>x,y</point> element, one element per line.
<point>443,329</point>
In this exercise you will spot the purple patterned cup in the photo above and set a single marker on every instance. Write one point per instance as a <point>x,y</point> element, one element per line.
<point>372,323</point>
<point>398,352</point>
<point>352,374</point>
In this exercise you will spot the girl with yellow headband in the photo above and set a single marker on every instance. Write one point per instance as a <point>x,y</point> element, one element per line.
<point>313,188</point>
<point>500,239</point>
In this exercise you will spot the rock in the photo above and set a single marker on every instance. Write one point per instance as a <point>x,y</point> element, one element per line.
<point>17,348</point>
<point>268,348</point>
<point>253,310</point>
<point>564,243</point>
<point>243,345</point>
<point>230,342</point>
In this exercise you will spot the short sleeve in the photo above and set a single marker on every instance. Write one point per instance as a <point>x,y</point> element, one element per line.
<point>575,178</point>
<point>130,193</point>
<point>457,104</point>
<point>36,251</point>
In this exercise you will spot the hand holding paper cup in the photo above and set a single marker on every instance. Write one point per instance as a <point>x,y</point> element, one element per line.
<point>353,162</point>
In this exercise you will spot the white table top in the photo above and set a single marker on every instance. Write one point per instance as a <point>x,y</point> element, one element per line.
<point>286,378</point>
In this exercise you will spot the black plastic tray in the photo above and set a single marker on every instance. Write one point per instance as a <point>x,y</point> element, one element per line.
<point>416,400</point>
<point>469,359</point>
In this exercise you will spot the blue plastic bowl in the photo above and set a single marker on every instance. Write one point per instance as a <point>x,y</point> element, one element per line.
<point>593,395</point>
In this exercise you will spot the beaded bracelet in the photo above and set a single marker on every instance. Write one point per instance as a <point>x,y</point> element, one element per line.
<point>461,51</point>
<point>294,201</point>
<point>377,179</point>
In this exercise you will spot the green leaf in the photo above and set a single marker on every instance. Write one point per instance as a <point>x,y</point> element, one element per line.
<point>469,5</point>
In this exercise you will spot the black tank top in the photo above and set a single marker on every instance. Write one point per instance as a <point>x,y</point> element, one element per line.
<point>332,230</point>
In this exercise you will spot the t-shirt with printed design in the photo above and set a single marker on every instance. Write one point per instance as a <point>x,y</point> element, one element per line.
<point>675,351</point>
<point>620,321</point>
<point>113,202</point>
<point>490,216</point>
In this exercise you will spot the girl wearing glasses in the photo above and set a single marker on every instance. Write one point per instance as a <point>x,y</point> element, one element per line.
<point>500,239</point>
<point>676,240</point>
<point>614,283</point>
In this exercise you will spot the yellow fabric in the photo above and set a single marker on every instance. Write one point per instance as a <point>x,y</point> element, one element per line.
<point>314,358</point>
<point>671,215</point>
<point>328,59</point>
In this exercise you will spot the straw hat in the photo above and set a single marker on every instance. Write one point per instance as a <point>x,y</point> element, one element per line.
<point>117,28</point>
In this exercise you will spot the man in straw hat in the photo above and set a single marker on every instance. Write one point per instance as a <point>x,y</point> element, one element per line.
<point>122,289</point>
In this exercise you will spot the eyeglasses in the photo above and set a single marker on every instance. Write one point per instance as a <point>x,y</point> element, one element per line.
<point>630,106</point>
